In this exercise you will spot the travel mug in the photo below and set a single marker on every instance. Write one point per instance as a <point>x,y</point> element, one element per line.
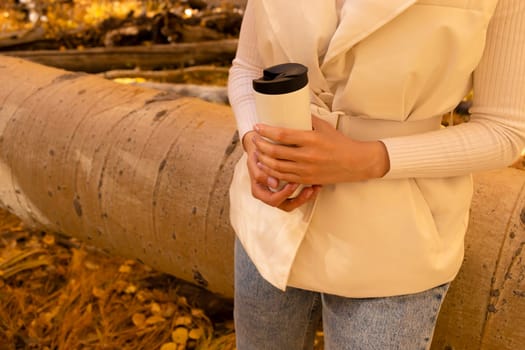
<point>282,99</point>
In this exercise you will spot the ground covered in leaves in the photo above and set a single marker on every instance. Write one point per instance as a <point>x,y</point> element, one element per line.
<point>56,293</point>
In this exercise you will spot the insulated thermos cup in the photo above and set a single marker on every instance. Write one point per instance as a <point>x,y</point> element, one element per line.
<point>282,99</point>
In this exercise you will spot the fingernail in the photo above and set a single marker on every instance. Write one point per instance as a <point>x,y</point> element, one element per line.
<point>272,182</point>
<point>259,164</point>
<point>256,127</point>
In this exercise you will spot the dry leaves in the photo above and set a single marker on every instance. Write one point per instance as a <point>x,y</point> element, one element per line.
<point>57,294</point>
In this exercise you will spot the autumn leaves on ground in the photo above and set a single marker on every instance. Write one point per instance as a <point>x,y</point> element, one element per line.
<point>57,293</point>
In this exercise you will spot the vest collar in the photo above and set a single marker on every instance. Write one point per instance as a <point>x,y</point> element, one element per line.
<point>359,19</point>
<point>307,31</point>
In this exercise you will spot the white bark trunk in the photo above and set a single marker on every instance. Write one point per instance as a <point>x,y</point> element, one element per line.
<point>485,306</point>
<point>125,168</point>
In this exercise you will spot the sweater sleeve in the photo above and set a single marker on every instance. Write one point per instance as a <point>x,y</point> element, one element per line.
<point>495,135</point>
<point>246,66</point>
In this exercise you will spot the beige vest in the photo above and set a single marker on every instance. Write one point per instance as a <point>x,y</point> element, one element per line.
<point>384,69</point>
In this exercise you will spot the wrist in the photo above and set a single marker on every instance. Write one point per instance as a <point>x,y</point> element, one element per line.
<point>380,160</point>
<point>371,158</point>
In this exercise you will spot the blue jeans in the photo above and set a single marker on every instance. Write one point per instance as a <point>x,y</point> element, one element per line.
<point>267,318</point>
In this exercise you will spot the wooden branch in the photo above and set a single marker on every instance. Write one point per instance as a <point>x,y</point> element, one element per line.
<point>8,40</point>
<point>166,75</point>
<point>153,57</point>
<point>215,94</point>
<point>162,80</point>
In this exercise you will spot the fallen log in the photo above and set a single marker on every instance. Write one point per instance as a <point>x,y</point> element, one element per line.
<point>171,75</point>
<point>96,60</point>
<point>141,173</point>
<point>146,176</point>
<point>21,38</point>
<point>485,306</point>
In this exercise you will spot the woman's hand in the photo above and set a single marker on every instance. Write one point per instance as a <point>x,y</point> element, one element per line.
<point>261,182</point>
<point>321,156</point>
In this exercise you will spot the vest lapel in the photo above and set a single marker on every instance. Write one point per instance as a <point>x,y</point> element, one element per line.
<point>306,31</point>
<point>295,28</point>
<point>295,31</point>
<point>360,18</point>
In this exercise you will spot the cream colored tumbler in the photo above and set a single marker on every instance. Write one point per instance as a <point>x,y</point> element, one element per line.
<point>282,99</point>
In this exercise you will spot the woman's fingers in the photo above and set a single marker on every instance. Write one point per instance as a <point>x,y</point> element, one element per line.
<point>282,135</point>
<point>274,199</point>
<point>261,182</point>
<point>280,169</point>
<point>258,175</point>
<point>292,136</point>
<point>278,161</point>
<point>307,194</point>
<point>281,198</point>
<point>271,161</point>
<point>279,151</point>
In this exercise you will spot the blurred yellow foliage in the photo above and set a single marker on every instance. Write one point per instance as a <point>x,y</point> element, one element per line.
<point>57,16</point>
<point>94,12</point>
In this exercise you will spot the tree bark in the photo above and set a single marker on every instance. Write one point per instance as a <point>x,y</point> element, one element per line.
<point>141,173</point>
<point>146,176</point>
<point>98,60</point>
<point>485,306</point>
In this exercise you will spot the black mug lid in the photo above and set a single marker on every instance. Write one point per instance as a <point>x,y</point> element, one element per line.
<point>282,79</point>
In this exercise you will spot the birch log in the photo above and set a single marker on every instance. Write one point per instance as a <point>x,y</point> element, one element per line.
<point>485,306</point>
<point>141,173</point>
<point>145,175</point>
